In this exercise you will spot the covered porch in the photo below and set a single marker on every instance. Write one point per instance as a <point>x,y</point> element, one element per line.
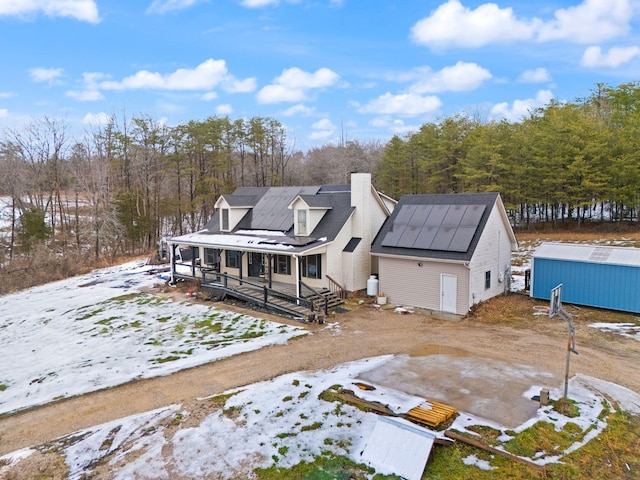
<point>284,282</point>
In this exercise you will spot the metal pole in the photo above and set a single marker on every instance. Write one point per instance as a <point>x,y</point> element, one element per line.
<point>570,346</point>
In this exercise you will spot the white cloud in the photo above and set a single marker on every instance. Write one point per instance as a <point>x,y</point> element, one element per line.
<point>395,125</point>
<point>4,113</point>
<point>458,78</point>
<point>589,22</point>
<point>293,85</point>
<point>298,109</point>
<point>240,86</point>
<point>535,75</point>
<point>224,109</point>
<point>452,24</point>
<point>209,74</point>
<point>406,105</point>
<point>164,6</point>
<point>594,57</point>
<point>521,108</point>
<point>96,119</point>
<point>48,75</point>
<point>7,94</point>
<point>85,95</point>
<point>83,10</point>
<point>322,129</point>
<point>258,3</point>
<point>207,97</point>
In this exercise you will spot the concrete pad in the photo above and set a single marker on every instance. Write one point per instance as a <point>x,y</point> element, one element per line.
<point>483,387</point>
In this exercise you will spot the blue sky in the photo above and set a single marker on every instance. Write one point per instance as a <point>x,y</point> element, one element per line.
<point>326,69</point>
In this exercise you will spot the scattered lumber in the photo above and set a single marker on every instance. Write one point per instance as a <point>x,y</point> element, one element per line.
<point>434,416</point>
<point>478,444</point>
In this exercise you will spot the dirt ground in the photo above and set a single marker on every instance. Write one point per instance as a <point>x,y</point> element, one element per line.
<point>505,329</point>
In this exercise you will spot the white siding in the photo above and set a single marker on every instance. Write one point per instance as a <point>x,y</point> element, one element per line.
<point>405,282</point>
<point>493,253</point>
<point>365,223</point>
<point>339,266</point>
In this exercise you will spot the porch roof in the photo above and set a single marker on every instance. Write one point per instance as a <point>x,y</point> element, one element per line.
<point>262,241</point>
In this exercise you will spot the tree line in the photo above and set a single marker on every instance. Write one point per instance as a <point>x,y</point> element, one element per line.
<point>565,162</point>
<point>124,184</point>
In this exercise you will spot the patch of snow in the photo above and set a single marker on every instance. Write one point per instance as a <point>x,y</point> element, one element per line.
<point>630,330</point>
<point>481,464</point>
<point>98,330</point>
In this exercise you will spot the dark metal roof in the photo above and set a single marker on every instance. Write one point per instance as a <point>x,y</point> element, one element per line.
<point>272,212</point>
<point>338,206</point>
<point>318,201</point>
<point>352,244</point>
<point>446,226</point>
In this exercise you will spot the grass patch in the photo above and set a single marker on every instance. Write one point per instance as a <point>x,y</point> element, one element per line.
<point>90,314</point>
<point>220,400</point>
<point>542,439</point>
<point>566,407</point>
<point>126,297</point>
<point>313,426</point>
<point>613,454</point>
<point>210,325</point>
<point>170,358</point>
<point>107,321</point>
<point>3,387</point>
<point>325,467</point>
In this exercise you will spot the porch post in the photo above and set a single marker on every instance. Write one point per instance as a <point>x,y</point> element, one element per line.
<point>240,266</point>
<point>298,280</point>
<point>269,267</point>
<point>172,260</point>
<point>193,260</point>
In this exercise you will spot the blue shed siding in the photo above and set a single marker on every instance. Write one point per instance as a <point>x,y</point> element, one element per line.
<point>616,287</point>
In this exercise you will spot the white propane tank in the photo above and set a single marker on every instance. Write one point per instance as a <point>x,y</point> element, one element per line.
<point>372,286</point>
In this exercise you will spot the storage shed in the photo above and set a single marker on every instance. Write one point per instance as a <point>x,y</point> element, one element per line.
<point>591,275</point>
<point>445,252</point>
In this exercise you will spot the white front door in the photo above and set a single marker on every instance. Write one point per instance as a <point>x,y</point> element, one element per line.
<point>448,292</point>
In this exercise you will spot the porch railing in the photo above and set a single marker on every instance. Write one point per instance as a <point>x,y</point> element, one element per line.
<point>258,292</point>
<point>317,295</point>
<point>337,289</point>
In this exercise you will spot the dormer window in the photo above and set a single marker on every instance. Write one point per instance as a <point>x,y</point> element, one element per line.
<point>224,219</point>
<point>301,223</point>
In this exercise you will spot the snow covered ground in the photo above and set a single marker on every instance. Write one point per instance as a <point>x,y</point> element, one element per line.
<point>283,422</point>
<point>99,330</point>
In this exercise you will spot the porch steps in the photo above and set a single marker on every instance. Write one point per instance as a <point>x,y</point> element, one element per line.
<point>333,300</point>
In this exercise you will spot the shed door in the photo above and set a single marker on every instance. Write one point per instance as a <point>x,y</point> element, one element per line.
<point>448,293</point>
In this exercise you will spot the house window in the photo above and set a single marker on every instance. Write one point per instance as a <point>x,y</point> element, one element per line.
<point>487,279</point>
<point>232,258</point>
<point>224,214</point>
<point>282,264</point>
<point>211,256</point>
<point>302,222</point>
<point>312,266</point>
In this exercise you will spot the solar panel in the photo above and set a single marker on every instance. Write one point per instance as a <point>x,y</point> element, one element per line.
<point>271,212</point>
<point>435,227</point>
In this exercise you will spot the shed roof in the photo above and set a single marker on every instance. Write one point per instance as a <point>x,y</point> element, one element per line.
<point>602,254</point>
<point>445,235</point>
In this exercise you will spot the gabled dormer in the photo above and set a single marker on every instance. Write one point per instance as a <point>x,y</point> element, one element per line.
<point>308,211</point>
<point>231,210</point>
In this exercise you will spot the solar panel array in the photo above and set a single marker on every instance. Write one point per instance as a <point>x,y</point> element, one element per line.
<point>271,212</point>
<point>447,228</point>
